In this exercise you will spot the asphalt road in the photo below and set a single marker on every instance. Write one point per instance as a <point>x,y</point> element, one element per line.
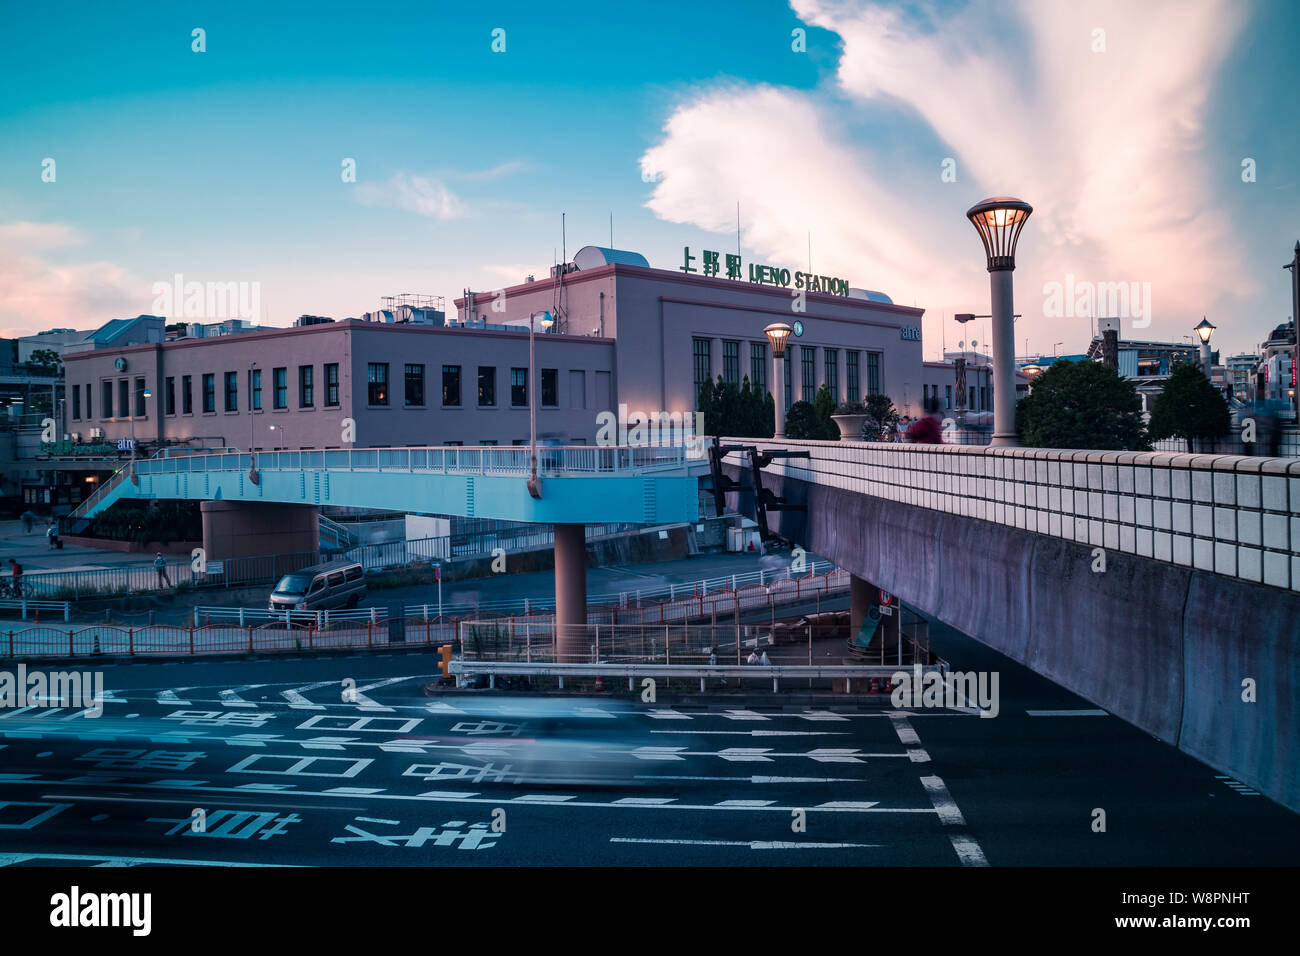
<point>291,765</point>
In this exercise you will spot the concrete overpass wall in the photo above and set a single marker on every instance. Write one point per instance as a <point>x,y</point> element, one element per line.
<point>1163,646</point>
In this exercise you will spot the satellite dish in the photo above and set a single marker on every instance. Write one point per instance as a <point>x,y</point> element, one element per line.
<point>974,344</point>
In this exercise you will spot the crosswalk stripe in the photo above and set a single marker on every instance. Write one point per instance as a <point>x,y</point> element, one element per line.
<point>667,714</point>
<point>743,715</point>
<point>171,697</point>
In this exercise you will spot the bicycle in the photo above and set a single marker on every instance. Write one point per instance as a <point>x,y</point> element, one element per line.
<point>9,591</point>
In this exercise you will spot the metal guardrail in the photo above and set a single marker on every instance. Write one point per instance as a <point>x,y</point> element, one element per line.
<point>691,592</point>
<point>850,672</point>
<point>567,461</point>
<point>24,605</point>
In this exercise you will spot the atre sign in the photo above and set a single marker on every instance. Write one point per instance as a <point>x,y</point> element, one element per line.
<point>909,333</point>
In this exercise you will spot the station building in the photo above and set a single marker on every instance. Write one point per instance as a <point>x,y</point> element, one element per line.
<point>620,333</point>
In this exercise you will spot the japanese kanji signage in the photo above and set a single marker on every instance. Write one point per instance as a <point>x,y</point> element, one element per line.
<point>729,266</point>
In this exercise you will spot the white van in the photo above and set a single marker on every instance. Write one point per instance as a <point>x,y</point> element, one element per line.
<point>321,587</point>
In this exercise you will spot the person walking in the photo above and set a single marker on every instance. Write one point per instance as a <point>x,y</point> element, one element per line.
<point>765,661</point>
<point>752,658</point>
<point>160,565</point>
<point>16,570</point>
<point>52,532</point>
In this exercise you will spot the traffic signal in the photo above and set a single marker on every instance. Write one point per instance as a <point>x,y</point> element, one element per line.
<point>444,659</point>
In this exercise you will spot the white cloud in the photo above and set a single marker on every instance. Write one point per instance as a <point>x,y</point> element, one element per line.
<point>1106,146</point>
<point>422,195</point>
<point>37,293</point>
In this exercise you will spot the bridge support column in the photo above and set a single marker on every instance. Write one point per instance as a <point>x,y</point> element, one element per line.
<point>571,591</point>
<point>861,596</point>
<point>242,529</point>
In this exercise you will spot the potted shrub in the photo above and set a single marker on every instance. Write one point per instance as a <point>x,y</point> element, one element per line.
<point>849,417</point>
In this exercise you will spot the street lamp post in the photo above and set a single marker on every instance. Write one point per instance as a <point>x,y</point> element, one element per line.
<point>1203,331</point>
<point>284,435</point>
<point>252,460</point>
<point>1294,266</point>
<point>146,394</point>
<point>999,221</point>
<point>777,334</point>
<point>534,485</point>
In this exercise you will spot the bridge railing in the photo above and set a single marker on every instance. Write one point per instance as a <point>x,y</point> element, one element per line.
<point>1227,514</point>
<point>567,461</point>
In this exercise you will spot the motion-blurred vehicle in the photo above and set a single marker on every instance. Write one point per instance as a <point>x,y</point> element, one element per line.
<point>326,586</point>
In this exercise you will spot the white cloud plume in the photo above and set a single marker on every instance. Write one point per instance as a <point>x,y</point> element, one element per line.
<point>422,195</point>
<point>1107,146</point>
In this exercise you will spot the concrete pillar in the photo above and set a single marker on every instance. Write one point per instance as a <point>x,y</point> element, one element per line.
<point>861,595</point>
<point>778,395</point>
<point>242,529</point>
<point>571,592</point>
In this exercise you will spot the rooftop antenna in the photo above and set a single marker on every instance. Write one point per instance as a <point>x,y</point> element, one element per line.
<point>737,228</point>
<point>611,229</point>
<point>810,250</point>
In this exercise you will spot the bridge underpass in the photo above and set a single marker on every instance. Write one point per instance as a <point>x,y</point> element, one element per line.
<point>249,501</point>
<point>1162,587</point>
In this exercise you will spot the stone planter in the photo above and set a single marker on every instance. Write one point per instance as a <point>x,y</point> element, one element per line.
<point>850,426</point>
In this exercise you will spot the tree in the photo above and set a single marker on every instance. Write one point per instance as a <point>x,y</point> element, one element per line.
<point>824,408</point>
<point>740,412</point>
<point>882,413</point>
<point>801,421</point>
<point>1189,407</point>
<point>1082,405</point>
<point>45,360</point>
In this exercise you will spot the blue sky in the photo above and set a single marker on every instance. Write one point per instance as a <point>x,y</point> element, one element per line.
<point>225,165</point>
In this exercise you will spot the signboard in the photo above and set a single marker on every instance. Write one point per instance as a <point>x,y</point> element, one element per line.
<point>909,333</point>
<point>886,603</point>
<point>67,447</point>
<point>713,263</point>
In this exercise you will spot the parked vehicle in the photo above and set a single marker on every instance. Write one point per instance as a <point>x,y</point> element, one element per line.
<point>326,586</point>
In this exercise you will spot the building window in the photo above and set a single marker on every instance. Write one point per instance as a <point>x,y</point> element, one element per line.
<point>451,385</point>
<point>873,373</point>
<point>577,388</point>
<point>90,405</point>
<point>332,384</point>
<point>124,398</point>
<point>169,396</point>
<point>972,399</point>
<point>187,395</point>
<point>758,367</point>
<point>518,387</point>
<point>808,365</point>
<point>413,382</point>
<point>139,398</point>
<point>853,381</point>
<point>210,392</point>
<point>280,388</point>
<point>232,391</point>
<point>731,362</point>
<point>703,362</point>
<point>947,396</point>
<point>256,390</point>
<point>832,357</point>
<point>550,388</point>
<point>377,381</point>
<point>306,386</point>
<point>76,401</point>
<point>106,398</point>
<point>487,385</point>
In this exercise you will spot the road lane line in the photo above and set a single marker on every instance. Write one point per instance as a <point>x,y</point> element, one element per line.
<point>968,851</point>
<point>749,844</point>
<point>949,813</point>
<point>1067,713</point>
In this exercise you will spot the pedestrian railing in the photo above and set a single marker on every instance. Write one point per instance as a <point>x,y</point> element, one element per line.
<point>164,640</point>
<point>723,595</point>
<point>33,608</point>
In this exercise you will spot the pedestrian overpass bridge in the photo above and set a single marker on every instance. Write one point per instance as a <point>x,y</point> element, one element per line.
<point>579,484</point>
<point>1163,587</point>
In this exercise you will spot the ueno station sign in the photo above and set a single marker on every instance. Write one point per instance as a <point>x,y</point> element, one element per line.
<point>714,264</point>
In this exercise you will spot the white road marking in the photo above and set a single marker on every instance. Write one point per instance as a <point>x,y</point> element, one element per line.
<point>1067,713</point>
<point>745,803</point>
<point>744,715</point>
<point>758,733</point>
<point>753,779</point>
<point>10,858</point>
<point>750,844</point>
<point>947,809</point>
<point>968,851</point>
<point>820,715</point>
<point>848,804</point>
<point>905,732</point>
<point>365,703</point>
<point>171,697</point>
<point>298,701</point>
<point>231,698</point>
<point>441,708</point>
<point>667,714</point>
